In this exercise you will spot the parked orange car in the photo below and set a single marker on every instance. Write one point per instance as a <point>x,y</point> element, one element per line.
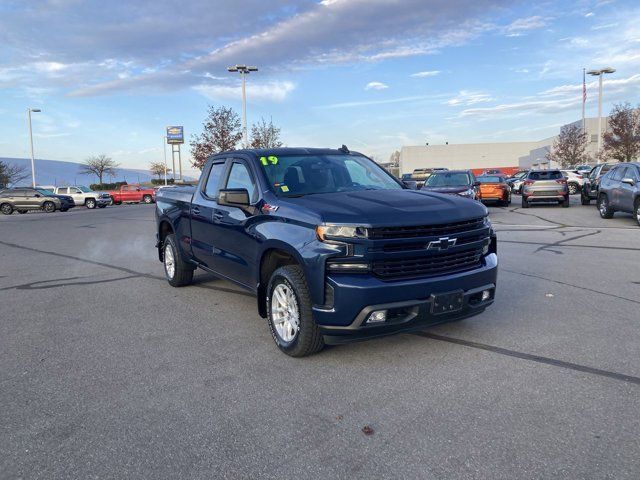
<point>494,188</point>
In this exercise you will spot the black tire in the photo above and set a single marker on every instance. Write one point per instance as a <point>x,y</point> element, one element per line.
<point>603,207</point>
<point>584,199</point>
<point>6,208</point>
<point>573,188</point>
<point>565,203</point>
<point>64,209</point>
<point>308,339</point>
<point>182,272</point>
<point>636,208</point>
<point>49,207</point>
<point>525,203</point>
<point>90,203</point>
<point>147,199</point>
<point>102,206</point>
<point>22,212</point>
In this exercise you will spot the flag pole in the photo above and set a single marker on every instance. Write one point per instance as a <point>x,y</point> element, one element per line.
<point>584,99</point>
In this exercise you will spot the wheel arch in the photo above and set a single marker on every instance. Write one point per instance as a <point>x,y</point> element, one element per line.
<point>273,257</point>
<point>164,228</point>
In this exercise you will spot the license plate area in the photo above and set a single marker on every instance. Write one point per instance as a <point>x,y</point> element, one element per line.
<point>447,302</point>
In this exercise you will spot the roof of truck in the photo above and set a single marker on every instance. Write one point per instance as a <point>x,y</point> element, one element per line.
<point>259,152</point>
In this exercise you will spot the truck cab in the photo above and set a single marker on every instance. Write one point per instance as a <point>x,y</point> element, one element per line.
<point>132,194</point>
<point>334,248</point>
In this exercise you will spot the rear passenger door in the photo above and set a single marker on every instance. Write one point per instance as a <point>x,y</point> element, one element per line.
<point>611,183</point>
<point>238,246</point>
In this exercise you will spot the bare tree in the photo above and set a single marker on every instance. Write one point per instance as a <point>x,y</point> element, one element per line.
<point>622,143</point>
<point>394,158</point>
<point>265,135</point>
<point>569,149</point>
<point>221,133</point>
<point>12,174</point>
<point>99,166</point>
<point>157,168</point>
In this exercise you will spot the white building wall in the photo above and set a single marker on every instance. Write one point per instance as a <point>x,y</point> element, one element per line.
<point>470,155</point>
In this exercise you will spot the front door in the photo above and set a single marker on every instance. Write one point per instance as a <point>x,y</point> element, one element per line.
<point>77,195</point>
<point>236,242</point>
<point>204,231</point>
<point>627,191</point>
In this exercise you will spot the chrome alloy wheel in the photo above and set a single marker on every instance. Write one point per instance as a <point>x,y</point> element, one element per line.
<point>169,261</point>
<point>603,206</point>
<point>284,312</point>
<point>638,213</point>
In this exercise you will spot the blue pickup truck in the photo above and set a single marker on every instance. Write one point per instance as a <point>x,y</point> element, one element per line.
<point>334,247</point>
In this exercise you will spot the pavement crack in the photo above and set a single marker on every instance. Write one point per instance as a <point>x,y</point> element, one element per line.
<point>569,285</point>
<point>533,358</point>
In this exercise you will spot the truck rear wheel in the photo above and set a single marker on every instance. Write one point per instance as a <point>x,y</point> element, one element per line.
<point>289,313</point>
<point>178,272</point>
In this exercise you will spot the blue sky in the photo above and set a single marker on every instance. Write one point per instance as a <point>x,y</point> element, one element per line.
<point>373,74</point>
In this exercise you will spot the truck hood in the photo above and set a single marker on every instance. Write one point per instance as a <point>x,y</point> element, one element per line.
<point>376,208</point>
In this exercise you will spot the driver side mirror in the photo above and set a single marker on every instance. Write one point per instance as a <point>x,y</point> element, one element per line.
<point>629,181</point>
<point>476,184</point>
<point>234,197</point>
<point>410,184</point>
<point>37,195</point>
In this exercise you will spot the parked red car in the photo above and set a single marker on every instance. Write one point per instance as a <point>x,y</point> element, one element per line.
<point>132,194</point>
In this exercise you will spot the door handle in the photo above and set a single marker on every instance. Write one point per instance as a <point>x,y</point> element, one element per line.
<point>195,210</point>
<point>217,215</point>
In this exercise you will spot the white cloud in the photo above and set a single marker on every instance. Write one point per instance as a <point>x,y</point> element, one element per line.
<point>376,86</point>
<point>605,26</point>
<point>589,14</point>
<point>426,73</point>
<point>525,24</point>
<point>276,91</point>
<point>468,97</point>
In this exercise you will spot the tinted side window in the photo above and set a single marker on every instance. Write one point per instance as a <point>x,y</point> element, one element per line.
<point>618,173</point>
<point>239,177</point>
<point>213,181</point>
<point>632,172</point>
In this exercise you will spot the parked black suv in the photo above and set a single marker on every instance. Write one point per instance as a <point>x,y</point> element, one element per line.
<point>620,191</point>
<point>592,184</point>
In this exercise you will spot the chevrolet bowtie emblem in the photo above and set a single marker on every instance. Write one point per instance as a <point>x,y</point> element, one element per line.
<point>442,243</point>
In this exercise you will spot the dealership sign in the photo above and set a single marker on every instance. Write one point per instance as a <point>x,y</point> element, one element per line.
<point>175,135</point>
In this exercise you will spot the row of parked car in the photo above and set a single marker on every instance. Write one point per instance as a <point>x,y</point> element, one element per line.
<point>614,186</point>
<point>53,198</point>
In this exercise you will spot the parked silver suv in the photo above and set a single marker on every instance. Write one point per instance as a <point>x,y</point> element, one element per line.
<point>545,186</point>
<point>620,191</point>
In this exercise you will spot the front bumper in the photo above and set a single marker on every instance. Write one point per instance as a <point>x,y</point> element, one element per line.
<point>103,201</point>
<point>355,297</point>
<point>543,196</point>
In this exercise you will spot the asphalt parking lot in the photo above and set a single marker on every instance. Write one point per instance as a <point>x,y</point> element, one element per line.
<point>107,372</point>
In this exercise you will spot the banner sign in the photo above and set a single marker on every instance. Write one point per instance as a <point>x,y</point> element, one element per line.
<point>175,135</point>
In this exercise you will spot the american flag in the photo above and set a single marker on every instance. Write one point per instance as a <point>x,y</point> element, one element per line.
<point>584,86</point>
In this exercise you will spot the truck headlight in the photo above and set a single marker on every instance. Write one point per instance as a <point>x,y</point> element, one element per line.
<point>467,193</point>
<point>340,231</point>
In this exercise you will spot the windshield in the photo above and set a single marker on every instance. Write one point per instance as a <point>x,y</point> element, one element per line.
<point>44,191</point>
<point>448,179</point>
<point>489,179</point>
<point>296,175</point>
<point>85,189</point>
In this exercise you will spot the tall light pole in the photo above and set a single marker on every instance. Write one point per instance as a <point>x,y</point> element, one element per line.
<point>244,70</point>
<point>33,162</point>
<point>599,73</point>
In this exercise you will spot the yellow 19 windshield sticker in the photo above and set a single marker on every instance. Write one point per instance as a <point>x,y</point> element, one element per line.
<point>270,160</point>
<point>284,188</point>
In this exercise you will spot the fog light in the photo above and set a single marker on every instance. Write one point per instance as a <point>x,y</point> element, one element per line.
<point>377,316</point>
<point>485,249</point>
<point>486,295</point>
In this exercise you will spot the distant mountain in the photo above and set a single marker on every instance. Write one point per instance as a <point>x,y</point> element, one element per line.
<point>56,172</point>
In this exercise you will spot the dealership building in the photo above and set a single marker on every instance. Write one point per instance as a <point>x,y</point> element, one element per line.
<point>501,155</point>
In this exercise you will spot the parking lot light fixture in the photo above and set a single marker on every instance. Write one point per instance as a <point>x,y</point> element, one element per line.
<point>33,163</point>
<point>243,70</point>
<point>599,73</point>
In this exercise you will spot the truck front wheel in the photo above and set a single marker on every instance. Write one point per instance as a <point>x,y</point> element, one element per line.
<point>289,313</point>
<point>178,272</point>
